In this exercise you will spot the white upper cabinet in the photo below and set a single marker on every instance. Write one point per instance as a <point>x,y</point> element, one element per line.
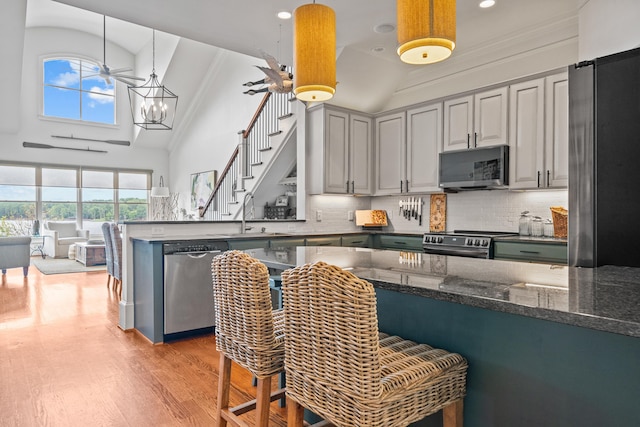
<point>339,155</point>
<point>538,151</point>
<point>407,148</point>
<point>360,154</point>
<point>424,143</point>
<point>557,131</point>
<point>478,120</point>
<point>526,150</point>
<point>390,153</point>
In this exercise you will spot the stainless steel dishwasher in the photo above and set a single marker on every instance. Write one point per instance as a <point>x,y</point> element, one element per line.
<point>188,288</point>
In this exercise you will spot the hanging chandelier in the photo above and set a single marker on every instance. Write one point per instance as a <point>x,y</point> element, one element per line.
<point>314,52</point>
<point>153,106</point>
<point>426,30</point>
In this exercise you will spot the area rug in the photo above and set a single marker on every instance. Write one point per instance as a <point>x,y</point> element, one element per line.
<point>62,265</point>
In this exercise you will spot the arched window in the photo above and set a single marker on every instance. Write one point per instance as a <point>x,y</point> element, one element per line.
<point>74,89</point>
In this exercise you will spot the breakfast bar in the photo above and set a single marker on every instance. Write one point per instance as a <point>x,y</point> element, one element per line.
<point>546,344</point>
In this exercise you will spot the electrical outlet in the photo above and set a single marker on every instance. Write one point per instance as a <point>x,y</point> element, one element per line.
<point>318,215</point>
<point>350,215</point>
<point>157,230</point>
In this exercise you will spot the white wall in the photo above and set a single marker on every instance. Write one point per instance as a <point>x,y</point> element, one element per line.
<point>608,26</point>
<point>220,112</point>
<point>40,42</point>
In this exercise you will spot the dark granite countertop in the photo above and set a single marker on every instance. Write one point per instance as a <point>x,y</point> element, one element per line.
<point>258,235</point>
<point>604,298</point>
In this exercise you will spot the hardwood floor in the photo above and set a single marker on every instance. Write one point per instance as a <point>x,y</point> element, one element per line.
<point>65,362</point>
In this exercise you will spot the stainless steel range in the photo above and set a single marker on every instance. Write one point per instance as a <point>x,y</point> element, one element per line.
<point>475,244</point>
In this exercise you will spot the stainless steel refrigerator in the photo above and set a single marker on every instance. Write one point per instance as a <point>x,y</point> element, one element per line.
<point>604,161</point>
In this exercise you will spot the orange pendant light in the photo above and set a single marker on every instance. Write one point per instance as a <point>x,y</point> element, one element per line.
<point>314,52</point>
<point>426,30</point>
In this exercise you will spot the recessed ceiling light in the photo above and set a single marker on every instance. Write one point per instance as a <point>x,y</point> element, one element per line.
<point>284,15</point>
<point>487,3</point>
<point>384,28</point>
<point>377,49</point>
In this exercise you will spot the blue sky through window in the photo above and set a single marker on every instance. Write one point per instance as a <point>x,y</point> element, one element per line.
<point>74,89</point>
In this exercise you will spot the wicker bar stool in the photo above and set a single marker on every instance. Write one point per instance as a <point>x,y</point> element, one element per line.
<point>248,332</point>
<point>340,367</point>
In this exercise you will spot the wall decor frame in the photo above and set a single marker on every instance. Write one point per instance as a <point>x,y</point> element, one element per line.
<point>202,185</point>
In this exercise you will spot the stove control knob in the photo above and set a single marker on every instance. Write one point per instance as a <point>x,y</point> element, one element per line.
<point>468,242</point>
<point>476,242</point>
<point>485,243</point>
<point>440,239</point>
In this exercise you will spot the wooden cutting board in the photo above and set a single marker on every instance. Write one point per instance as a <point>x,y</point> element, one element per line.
<point>438,213</point>
<point>371,218</point>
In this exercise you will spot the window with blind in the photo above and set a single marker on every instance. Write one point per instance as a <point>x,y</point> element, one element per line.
<point>89,196</point>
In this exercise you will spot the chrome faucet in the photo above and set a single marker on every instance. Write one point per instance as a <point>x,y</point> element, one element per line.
<point>247,195</point>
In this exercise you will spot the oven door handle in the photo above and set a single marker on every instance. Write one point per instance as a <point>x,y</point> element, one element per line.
<point>471,252</point>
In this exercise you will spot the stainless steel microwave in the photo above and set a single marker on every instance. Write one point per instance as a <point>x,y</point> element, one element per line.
<point>475,169</point>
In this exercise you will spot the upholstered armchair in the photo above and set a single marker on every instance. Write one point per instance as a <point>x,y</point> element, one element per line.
<point>59,235</point>
<point>15,252</point>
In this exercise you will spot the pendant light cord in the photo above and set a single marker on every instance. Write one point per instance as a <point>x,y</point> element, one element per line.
<point>104,39</point>
<point>153,54</point>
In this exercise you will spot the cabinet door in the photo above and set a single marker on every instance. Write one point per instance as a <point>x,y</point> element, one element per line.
<point>360,154</point>
<point>526,148</point>
<point>390,145</point>
<point>336,152</point>
<point>490,118</point>
<point>424,142</point>
<point>458,123</point>
<point>358,240</point>
<point>557,131</point>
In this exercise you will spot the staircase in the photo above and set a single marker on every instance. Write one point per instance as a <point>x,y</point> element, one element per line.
<point>268,131</point>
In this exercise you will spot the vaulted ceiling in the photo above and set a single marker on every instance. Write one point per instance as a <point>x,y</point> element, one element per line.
<point>368,68</point>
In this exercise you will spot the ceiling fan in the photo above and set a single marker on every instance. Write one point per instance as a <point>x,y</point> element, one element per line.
<point>106,72</point>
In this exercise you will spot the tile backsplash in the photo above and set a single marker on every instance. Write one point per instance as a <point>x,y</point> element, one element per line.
<point>491,210</point>
<point>487,210</point>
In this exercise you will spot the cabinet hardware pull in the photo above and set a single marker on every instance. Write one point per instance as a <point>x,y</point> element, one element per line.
<point>538,179</point>
<point>530,252</point>
<point>347,186</point>
<point>468,140</point>
<point>400,243</point>
<point>401,186</point>
<point>353,187</point>
<point>475,139</point>
<point>548,178</point>
<point>407,185</point>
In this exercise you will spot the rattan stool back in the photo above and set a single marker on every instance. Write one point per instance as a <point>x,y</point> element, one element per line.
<point>248,331</point>
<point>340,367</point>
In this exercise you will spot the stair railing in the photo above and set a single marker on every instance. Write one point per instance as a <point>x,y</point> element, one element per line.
<point>253,142</point>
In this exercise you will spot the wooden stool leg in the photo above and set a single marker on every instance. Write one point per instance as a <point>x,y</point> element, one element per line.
<point>452,414</point>
<point>295,413</point>
<point>263,399</point>
<point>224,384</point>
